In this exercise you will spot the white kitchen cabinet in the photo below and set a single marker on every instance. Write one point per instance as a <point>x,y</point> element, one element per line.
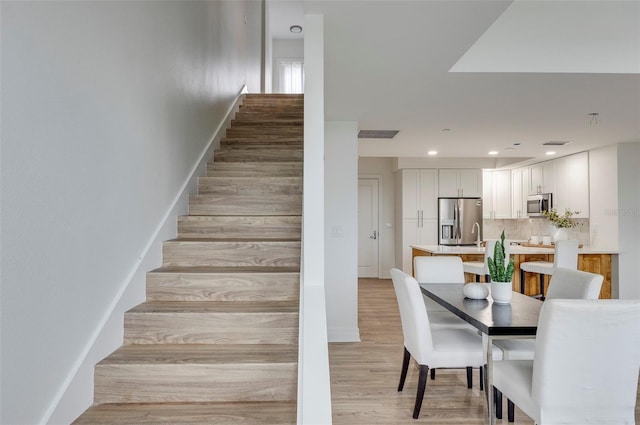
<point>416,232</point>
<point>460,183</point>
<point>519,192</point>
<point>496,194</point>
<point>572,184</point>
<point>416,212</point>
<point>542,177</point>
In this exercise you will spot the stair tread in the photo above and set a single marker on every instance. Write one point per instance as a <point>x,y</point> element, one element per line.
<point>246,413</point>
<point>227,270</point>
<point>203,354</point>
<point>240,307</point>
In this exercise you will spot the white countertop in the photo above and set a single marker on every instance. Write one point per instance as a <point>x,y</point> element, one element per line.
<point>515,249</point>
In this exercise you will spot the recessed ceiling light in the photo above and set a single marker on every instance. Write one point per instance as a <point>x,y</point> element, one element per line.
<point>493,152</point>
<point>508,149</point>
<point>446,129</point>
<point>432,153</point>
<point>296,29</point>
<point>550,153</point>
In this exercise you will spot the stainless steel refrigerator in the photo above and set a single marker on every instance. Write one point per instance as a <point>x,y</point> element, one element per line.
<point>459,221</point>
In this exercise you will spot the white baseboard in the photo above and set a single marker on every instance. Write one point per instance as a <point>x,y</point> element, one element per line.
<point>76,393</point>
<point>343,334</point>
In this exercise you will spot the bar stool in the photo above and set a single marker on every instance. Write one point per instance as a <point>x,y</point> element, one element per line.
<point>480,268</point>
<point>565,256</point>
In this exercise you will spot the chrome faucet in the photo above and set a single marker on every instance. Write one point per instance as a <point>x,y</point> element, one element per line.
<point>473,231</point>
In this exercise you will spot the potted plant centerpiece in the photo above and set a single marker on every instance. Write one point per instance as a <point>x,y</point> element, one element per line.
<point>500,273</point>
<point>561,222</point>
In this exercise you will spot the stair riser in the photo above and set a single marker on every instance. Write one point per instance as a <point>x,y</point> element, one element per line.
<point>258,122</point>
<point>253,169</point>
<point>171,383</point>
<point>236,205</point>
<point>248,227</point>
<point>264,186</point>
<point>265,132</point>
<point>249,143</point>
<point>230,254</point>
<point>163,286</point>
<point>259,155</point>
<point>210,328</point>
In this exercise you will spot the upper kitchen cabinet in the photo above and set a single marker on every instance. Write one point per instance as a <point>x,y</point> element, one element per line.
<point>496,194</point>
<point>419,193</point>
<point>572,184</point>
<point>542,178</point>
<point>519,192</point>
<point>460,183</point>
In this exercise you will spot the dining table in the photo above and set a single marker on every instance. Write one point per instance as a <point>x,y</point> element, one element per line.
<point>513,320</point>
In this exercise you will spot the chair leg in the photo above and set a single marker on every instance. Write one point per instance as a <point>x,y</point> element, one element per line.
<point>422,385</point>
<point>469,377</point>
<point>510,411</point>
<point>433,374</point>
<point>481,378</point>
<point>522,281</point>
<point>542,286</point>
<point>497,396</point>
<point>405,368</point>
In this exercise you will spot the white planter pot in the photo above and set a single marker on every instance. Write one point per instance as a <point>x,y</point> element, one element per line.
<point>501,292</point>
<point>561,235</point>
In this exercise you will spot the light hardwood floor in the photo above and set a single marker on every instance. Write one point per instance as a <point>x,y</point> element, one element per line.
<point>364,376</point>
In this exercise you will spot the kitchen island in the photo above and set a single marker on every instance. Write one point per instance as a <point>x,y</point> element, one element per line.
<point>589,259</point>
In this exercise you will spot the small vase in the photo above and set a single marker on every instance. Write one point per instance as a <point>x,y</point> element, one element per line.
<point>561,234</point>
<point>501,292</point>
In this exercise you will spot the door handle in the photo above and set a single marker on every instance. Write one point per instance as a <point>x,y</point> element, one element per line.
<point>375,235</point>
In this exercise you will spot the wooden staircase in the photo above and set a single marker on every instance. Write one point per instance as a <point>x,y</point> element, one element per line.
<point>217,339</point>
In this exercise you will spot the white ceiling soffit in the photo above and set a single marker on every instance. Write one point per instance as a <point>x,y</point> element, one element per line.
<point>574,36</point>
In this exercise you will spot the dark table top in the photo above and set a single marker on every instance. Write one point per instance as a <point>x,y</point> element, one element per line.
<point>520,317</point>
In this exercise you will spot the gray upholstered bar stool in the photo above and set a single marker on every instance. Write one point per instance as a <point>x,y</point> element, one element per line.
<point>565,256</point>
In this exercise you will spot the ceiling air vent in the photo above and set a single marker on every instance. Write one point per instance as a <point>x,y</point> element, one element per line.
<point>377,134</point>
<point>556,143</point>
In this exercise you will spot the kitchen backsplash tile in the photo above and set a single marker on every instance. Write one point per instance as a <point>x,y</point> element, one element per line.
<point>523,229</point>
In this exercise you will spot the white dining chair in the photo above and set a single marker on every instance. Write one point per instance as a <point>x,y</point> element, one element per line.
<point>585,368</point>
<point>564,284</point>
<point>565,256</point>
<point>443,269</point>
<point>430,347</point>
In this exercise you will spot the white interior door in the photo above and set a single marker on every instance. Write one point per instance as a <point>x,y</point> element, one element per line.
<point>368,233</point>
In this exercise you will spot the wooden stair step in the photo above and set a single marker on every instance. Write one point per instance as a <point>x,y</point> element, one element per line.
<point>240,227</point>
<point>283,169</point>
<point>264,131</point>
<point>197,373</point>
<point>233,413</point>
<point>247,142</point>
<point>212,322</point>
<point>221,253</point>
<point>250,185</point>
<point>258,155</point>
<point>245,205</point>
<point>260,122</point>
<point>224,284</point>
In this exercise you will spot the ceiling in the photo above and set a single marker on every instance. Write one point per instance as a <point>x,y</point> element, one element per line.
<point>467,77</point>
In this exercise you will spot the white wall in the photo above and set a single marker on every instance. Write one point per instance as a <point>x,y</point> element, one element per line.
<point>383,168</point>
<point>341,230</point>
<point>603,198</point>
<point>107,108</point>
<point>629,219</point>
<point>284,49</point>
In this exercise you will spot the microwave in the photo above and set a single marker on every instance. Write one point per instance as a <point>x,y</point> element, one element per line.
<point>536,204</point>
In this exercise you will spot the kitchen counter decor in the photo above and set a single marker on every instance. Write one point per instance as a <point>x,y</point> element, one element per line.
<point>561,223</point>
<point>500,273</point>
